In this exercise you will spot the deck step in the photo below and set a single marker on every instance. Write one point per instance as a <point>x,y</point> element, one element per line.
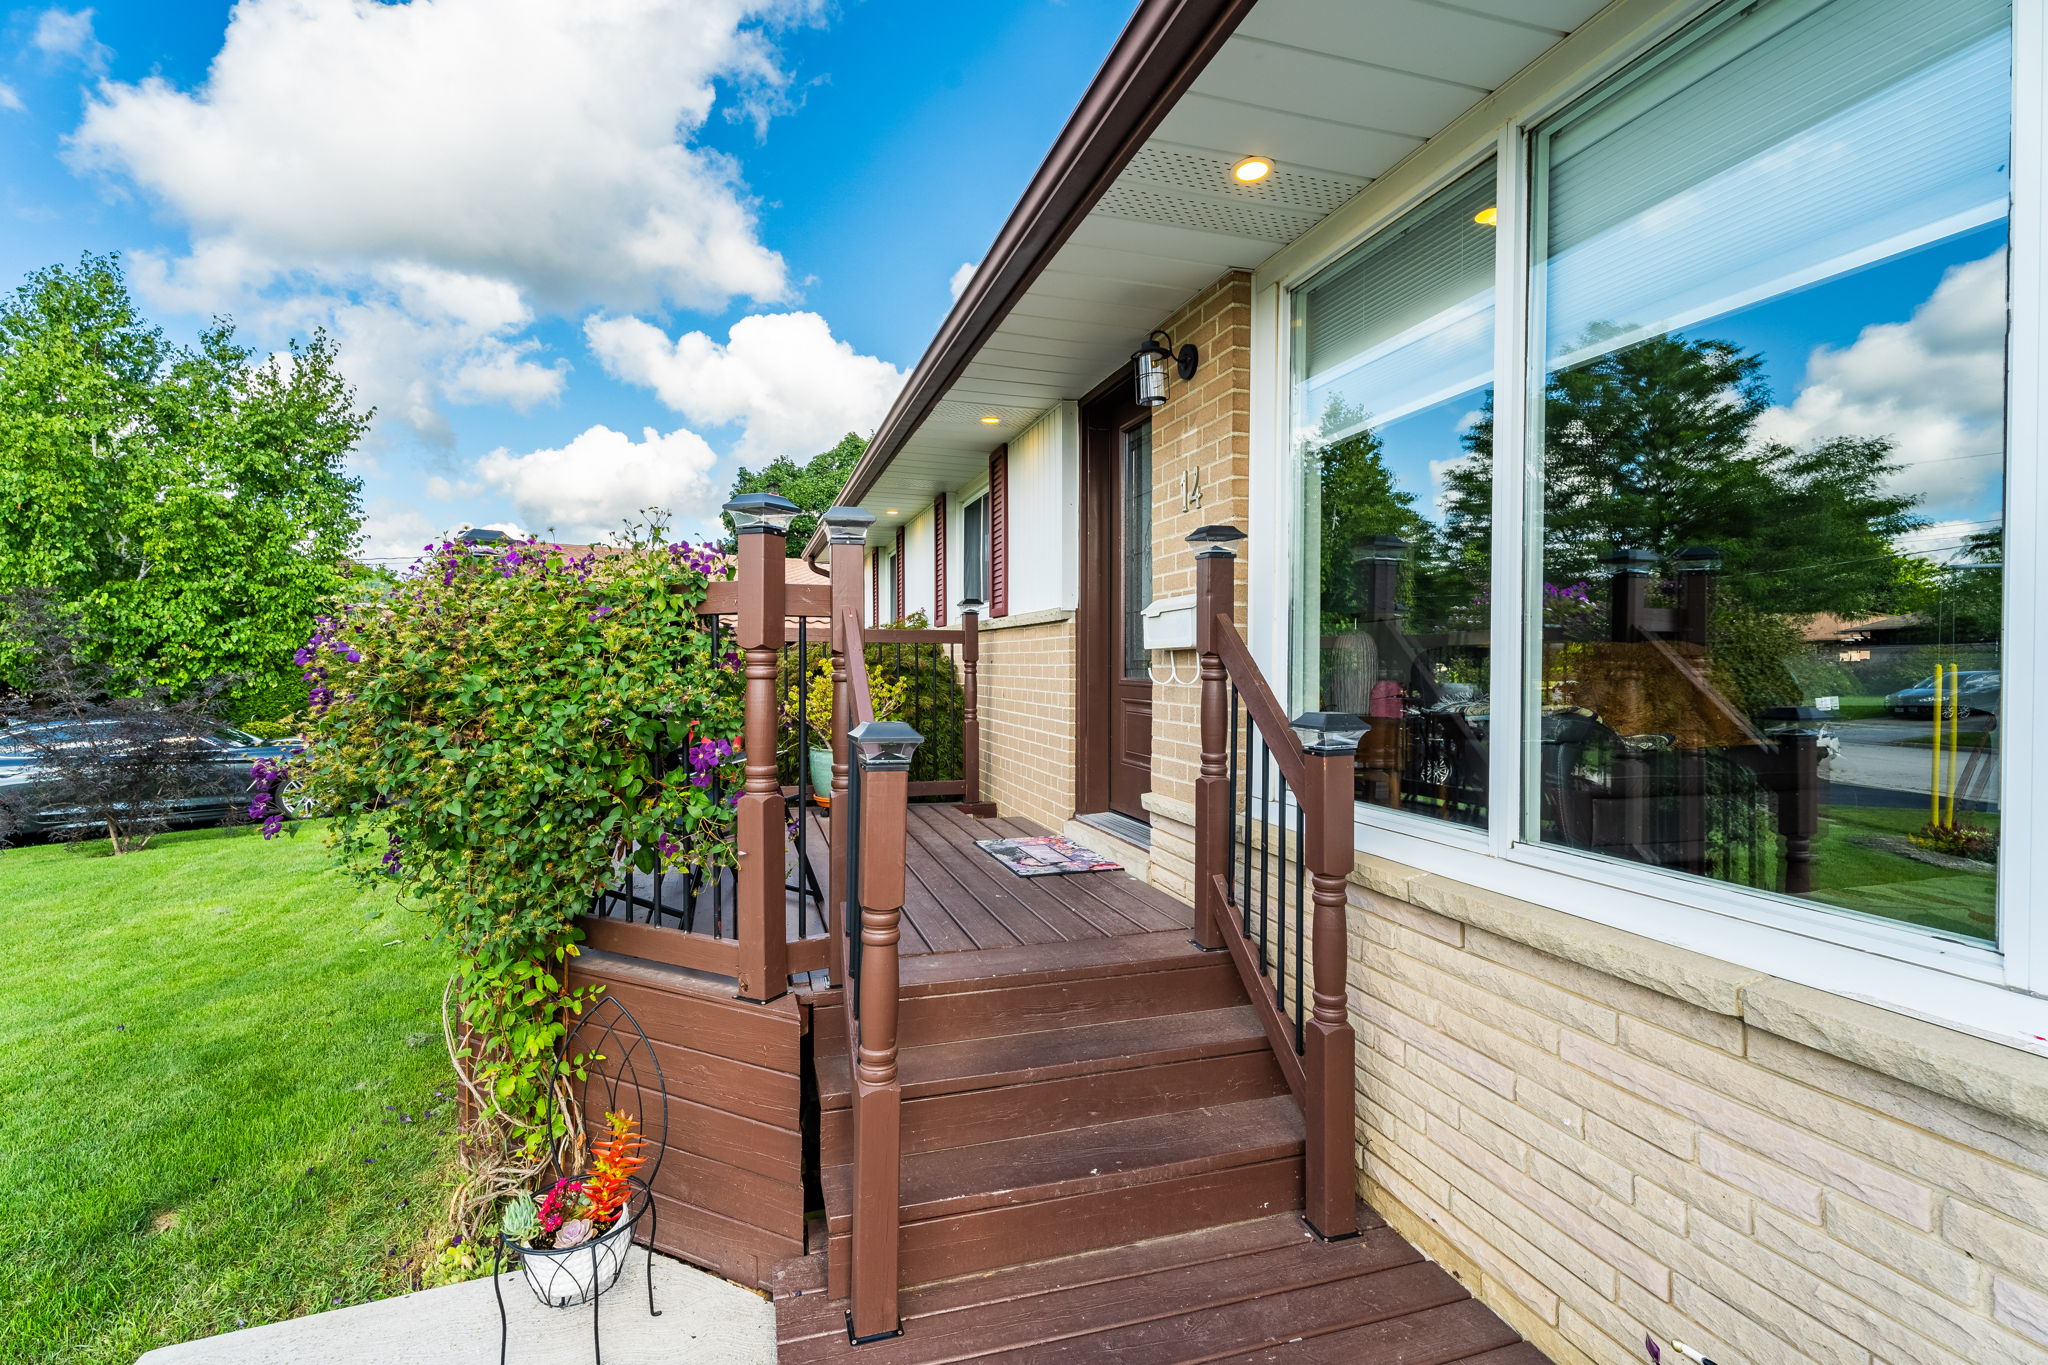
<point>944,1068</point>
<point>998,1204</point>
<point>1104,1156</point>
<point>1259,1290</point>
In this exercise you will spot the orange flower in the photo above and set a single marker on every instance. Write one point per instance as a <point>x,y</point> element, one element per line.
<point>615,1157</point>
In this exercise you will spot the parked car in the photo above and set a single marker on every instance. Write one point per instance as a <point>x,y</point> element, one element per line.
<point>212,781</point>
<point>1977,689</point>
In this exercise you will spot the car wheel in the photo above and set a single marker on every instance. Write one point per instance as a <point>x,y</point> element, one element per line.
<point>296,800</point>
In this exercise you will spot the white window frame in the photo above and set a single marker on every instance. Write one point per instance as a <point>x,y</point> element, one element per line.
<point>1995,993</point>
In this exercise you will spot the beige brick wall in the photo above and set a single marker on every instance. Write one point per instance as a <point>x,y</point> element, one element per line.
<point>1601,1160</point>
<point>1204,429</point>
<point>1027,719</point>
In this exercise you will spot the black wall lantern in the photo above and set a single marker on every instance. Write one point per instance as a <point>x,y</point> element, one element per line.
<point>1148,367</point>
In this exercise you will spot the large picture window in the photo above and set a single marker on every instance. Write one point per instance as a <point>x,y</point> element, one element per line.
<point>1764,613</point>
<point>1392,397</point>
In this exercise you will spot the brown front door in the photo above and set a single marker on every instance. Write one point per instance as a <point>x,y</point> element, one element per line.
<point>1115,674</point>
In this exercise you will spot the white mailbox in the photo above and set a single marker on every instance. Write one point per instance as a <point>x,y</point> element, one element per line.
<point>1170,623</point>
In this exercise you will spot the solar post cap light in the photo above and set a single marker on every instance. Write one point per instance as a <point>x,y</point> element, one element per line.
<point>757,512</point>
<point>884,744</point>
<point>1328,732</point>
<point>1214,540</point>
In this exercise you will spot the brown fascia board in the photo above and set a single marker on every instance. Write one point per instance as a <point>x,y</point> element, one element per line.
<point>1155,60</point>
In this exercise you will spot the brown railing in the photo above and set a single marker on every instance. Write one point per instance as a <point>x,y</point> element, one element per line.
<point>738,924</point>
<point>1271,815</point>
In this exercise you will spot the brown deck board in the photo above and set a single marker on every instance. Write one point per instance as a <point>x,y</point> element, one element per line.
<point>1261,1291</point>
<point>958,899</point>
<point>1095,904</point>
<point>950,836</point>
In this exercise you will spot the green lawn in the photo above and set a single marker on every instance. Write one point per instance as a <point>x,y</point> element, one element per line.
<point>221,1067</point>
<point>1850,872</point>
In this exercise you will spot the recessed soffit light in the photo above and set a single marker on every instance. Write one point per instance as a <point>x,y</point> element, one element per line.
<point>990,420</point>
<point>1252,170</point>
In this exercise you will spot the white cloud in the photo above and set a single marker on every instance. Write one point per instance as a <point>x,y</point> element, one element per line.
<point>780,377</point>
<point>1934,384</point>
<point>1940,541</point>
<point>10,98</point>
<point>411,338</point>
<point>68,33</point>
<point>603,478</point>
<point>958,283</point>
<point>429,177</point>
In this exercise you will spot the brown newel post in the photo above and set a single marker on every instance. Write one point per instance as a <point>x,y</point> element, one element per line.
<point>877,1096</point>
<point>1215,601</point>
<point>970,709</point>
<point>846,528</point>
<point>1330,1051</point>
<point>761,819</point>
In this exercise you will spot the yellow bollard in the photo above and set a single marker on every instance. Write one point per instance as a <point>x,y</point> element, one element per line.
<point>1934,756</point>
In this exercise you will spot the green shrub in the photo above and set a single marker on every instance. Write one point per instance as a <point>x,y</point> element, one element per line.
<point>494,737</point>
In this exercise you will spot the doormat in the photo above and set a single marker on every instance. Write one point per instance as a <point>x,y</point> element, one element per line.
<point>1046,856</point>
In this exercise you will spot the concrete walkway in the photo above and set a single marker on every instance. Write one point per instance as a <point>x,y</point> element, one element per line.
<point>704,1321</point>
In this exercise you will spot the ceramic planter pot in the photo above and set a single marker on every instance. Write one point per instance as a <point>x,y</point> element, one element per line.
<point>821,772</point>
<point>564,1276</point>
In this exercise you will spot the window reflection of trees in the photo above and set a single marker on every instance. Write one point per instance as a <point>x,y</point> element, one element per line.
<point>1674,716</point>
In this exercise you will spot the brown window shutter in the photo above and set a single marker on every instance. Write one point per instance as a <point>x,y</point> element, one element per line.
<point>875,587</point>
<point>939,560</point>
<point>999,532</point>
<point>898,561</point>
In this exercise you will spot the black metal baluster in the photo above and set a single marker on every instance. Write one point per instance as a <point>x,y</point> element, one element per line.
<point>1230,796</point>
<point>1280,912</point>
<point>803,769</point>
<point>1265,838</point>
<point>1242,829</point>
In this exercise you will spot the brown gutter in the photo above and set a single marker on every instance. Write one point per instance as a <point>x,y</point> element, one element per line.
<point>1155,60</point>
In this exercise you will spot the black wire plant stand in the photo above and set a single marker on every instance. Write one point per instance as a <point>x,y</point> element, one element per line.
<point>605,1057</point>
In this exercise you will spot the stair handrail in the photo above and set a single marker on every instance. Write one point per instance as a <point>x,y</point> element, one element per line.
<point>870,835</point>
<point>1315,757</point>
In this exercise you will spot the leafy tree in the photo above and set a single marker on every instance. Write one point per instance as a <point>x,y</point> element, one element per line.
<point>1963,601</point>
<point>813,485</point>
<point>1357,499</point>
<point>188,505</point>
<point>1649,447</point>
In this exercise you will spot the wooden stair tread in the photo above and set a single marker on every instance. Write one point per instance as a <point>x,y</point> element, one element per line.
<point>1102,1157</point>
<point>1464,1332</point>
<point>1028,963</point>
<point>1262,1290</point>
<point>1022,1058</point>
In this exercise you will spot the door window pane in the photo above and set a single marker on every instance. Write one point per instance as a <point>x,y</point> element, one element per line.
<point>1137,566</point>
<point>1393,394</point>
<point>1771,286</point>
<point>974,549</point>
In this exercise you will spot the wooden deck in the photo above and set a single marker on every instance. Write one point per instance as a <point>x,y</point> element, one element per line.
<point>959,899</point>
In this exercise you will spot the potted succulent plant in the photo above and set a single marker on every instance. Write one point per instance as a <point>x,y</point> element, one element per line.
<point>572,1240</point>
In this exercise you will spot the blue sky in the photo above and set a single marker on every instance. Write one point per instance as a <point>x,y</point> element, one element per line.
<point>583,257</point>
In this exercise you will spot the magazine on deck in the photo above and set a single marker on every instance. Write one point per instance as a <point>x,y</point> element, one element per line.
<point>1046,856</point>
